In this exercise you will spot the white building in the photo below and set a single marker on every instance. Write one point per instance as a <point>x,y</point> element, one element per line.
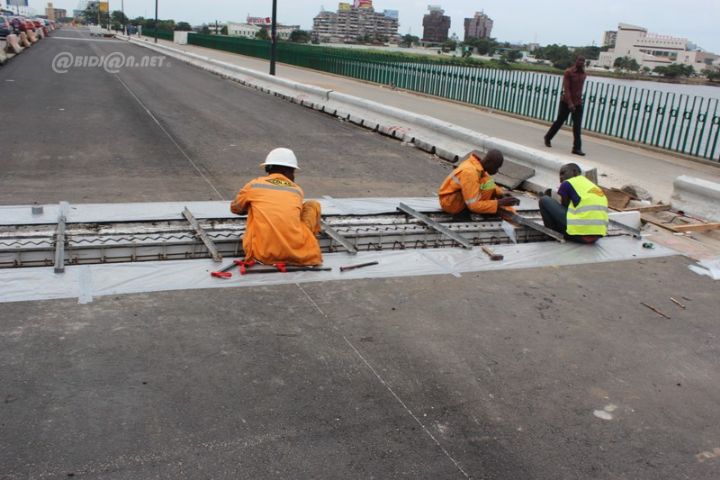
<point>249,30</point>
<point>650,50</point>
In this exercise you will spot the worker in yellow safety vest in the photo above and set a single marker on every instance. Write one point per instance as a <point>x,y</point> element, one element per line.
<point>582,213</point>
<point>280,227</point>
<point>470,187</point>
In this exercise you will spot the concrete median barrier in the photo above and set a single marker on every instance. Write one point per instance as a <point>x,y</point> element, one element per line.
<point>3,55</point>
<point>24,40</point>
<point>697,197</point>
<point>13,44</point>
<point>32,36</point>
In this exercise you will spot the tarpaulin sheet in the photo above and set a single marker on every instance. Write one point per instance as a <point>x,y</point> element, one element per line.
<point>158,211</point>
<point>88,281</point>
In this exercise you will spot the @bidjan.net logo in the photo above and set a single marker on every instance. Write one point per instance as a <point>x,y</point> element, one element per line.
<point>111,63</point>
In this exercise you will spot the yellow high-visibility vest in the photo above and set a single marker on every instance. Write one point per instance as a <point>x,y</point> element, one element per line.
<point>590,216</point>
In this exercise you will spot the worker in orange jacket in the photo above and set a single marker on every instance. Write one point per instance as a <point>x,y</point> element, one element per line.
<point>280,226</point>
<point>470,187</point>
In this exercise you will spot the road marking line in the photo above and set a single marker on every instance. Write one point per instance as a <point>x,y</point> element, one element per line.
<point>389,388</point>
<point>170,137</point>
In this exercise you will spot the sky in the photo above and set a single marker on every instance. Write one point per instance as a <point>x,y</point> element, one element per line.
<point>569,22</point>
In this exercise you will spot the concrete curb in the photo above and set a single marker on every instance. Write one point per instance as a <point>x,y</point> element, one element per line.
<point>697,196</point>
<point>448,141</point>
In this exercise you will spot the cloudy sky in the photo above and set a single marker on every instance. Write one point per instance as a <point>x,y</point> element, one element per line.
<point>571,22</point>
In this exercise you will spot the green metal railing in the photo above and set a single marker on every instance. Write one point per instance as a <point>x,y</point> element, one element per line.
<point>163,34</point>
<point>676,122</point>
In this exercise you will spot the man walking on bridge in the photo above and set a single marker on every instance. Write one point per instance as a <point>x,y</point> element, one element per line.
<point>582,215</point>
<point>571,104</point>
<point>280,226</point>
<point>470,187</point>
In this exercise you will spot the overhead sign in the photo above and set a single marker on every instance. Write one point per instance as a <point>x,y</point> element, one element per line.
<point>17,3</point>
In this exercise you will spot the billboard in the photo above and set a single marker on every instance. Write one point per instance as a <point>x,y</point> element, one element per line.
<point>104,7</point>
<point>363,4</point>
<point>344,7</point>
<point>17,3</point>
<point>260,21</point>
<point>392,14</point>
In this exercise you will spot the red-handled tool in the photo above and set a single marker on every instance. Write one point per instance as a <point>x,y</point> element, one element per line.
<point>224,272</point>
<point>244,265</point>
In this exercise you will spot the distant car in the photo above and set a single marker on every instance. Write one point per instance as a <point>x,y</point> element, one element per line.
<point>39,24</point>
<point>5,27</point>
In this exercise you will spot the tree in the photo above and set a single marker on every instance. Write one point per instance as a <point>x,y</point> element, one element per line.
<point>118,17</point>
<point>512,56</point>
<point>449,45</point>
<point>627,64</point>
<point>712,74</point>
<point>183,27</point>
<point>559,55</point>
<point>483,46</point>
<point>589,52</point>
<point>675,70</point>
<point>300,36</point>
<point>262,34</point>
<point>408,40</point>
<point>92,15</point>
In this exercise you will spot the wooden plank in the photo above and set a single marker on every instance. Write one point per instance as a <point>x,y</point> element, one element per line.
<point>695,227</point>
<point>203,235</point>
<point>649,209</point>
<point>617,199</point>
<point>435,225</point>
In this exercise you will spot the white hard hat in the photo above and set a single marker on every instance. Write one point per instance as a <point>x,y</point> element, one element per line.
<point>283,157</point>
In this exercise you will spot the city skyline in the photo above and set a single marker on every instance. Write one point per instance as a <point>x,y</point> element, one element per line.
<point>582,21</point>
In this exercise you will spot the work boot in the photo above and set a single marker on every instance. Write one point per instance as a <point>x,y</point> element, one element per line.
<point>547,141</point>
<point>578,152</point>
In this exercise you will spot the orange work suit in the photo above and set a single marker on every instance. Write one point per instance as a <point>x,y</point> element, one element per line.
<point>469,186</point>
<point>280,227</point>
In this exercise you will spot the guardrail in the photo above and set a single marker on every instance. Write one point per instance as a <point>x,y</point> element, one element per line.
<point>675,122</point>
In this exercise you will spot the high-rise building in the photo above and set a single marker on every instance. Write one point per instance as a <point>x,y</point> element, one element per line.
<point>351,22</point>
<point>479,26</point>
<point>436,25</point>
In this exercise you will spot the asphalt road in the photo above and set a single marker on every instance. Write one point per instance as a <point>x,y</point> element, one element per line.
<point>551,373</point>
<point>173,132</point>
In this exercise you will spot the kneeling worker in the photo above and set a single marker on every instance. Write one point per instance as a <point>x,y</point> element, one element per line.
<point>583,214</point>
<point>280,227</point>
<point>470,187</point>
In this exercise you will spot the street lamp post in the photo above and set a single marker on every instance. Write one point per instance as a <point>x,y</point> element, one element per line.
<point>156,20</point>
<point>273,38</point>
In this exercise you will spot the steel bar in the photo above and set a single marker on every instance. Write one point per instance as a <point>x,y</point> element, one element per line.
<point>332,233</point>
<point>514,217</point>
<point>432,223</point>
<point>203,236</point>
<point>358,265</point>
<point>635,232</point>
<point>60,245</point>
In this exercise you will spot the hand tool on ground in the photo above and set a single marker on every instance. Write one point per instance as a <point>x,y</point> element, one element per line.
<point>288,269</point>
<point>358,265</point>
<point>224,272</point>
<point>490,253</point>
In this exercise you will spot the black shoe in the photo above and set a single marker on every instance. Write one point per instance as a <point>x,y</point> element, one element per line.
<point>578,152</point>
<point>547,142</point>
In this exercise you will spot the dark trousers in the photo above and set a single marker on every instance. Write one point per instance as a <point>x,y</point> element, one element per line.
<point>554,215</point>
<point>563,114</point>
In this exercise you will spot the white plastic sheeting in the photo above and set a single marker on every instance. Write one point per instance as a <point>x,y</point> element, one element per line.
<point>88,281</point>
<point>709,267</point>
